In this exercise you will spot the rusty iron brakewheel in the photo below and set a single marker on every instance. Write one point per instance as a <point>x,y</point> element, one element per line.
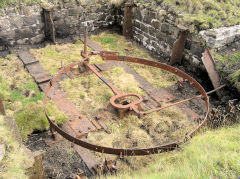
<point>119,151</point>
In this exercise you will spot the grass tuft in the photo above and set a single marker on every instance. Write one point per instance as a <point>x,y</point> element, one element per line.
<point>156,76</point>
<point>22,98</point>
<point>214,154</point>
<point>15,162</point>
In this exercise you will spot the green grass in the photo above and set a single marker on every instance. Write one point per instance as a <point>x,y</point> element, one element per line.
<point>207,14</point>
<point>116,42</point>
<point>215,154</point>
<point>53,56</point>
<point>15,162</point>
<point>22,98</point>
<point>230,64</point>
<point>235,79</point>
<point>4,3</point>
<point>228,59</point>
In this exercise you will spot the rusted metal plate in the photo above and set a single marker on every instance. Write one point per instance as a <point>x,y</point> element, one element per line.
<point>161,95</point>
<point>26,58</point>
<point>127,24</point>
<point>211,68</point>
<point>178,46</point>
<point>88,157</point>
<point>92,44</point>
<point>38,73</point>
<point>96,124</point>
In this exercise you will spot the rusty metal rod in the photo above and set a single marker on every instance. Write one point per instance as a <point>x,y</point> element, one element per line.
<point>93,69</point>
<point>180,102</point>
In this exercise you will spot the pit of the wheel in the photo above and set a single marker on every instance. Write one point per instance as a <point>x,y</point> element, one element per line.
<point>132,106</point>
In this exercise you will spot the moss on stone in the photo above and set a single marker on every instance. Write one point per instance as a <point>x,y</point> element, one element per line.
<point>202,15</point>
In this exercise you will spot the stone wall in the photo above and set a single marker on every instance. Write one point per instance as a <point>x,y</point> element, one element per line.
<point>25,25</point>
<point>21,26</point>
<point>156,28</point>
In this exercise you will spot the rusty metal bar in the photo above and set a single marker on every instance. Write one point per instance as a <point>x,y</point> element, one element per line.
<point>104,80</point>
<point>178,46</point>
<point>180,102</point>
<point>2,110</point>
<point>127,24</point>
<point>211,68</point>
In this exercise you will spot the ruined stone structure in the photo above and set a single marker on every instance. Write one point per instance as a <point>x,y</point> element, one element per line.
<point>25,25</point>
<point>155,27</point>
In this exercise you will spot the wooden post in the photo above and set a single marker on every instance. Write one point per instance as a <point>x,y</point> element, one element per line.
<point>49,28</point>
<point>127,24</point>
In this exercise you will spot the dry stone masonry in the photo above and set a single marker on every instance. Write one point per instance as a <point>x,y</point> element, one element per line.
<point>25,25</point>
<point>220,37</point>
<point>154,26</point>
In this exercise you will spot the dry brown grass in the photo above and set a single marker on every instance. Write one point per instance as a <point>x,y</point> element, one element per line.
<point>156,76</point>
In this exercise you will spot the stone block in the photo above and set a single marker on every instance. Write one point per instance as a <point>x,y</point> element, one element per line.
<point>37,39</point>
<point>22,41</point>
<point>4,24</point>
<point>165,27</point>
<point>137,24</point>
<point>161,36</point>
<point>156,24</point>
<point>7,35</point>
<point>24,33</point>
<point>152,14</point>
<point>152,31</point>
<point>220,37</point>
<point>17,22</point>
<point>144,28</point>
<point>138,15</point>
<point>75,11</point>
<point>30,20</point>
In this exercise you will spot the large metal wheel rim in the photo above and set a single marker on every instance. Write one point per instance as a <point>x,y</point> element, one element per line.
<point>129,152</point>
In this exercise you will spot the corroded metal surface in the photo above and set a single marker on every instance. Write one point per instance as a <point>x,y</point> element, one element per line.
<point>178,46</point>
<point>119,151</point>
<point>211,68</point>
